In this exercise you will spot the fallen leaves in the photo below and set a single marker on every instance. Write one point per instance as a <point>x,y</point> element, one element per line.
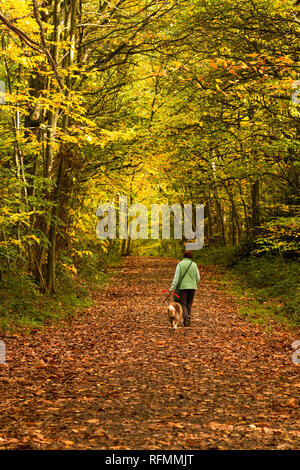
<point>291,403</point>
<point>67,443</point>
<point>176,425</point>
<point>100,432</point>
<point>117,378</point>
<point>40,364</point>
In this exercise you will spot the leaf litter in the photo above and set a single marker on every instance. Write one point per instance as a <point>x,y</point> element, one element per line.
<point>117,377</point>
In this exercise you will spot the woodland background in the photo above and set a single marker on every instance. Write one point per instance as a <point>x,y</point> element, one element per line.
<point>164,101</point>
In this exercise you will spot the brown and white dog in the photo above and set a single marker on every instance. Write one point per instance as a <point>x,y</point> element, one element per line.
<point>175,314</point>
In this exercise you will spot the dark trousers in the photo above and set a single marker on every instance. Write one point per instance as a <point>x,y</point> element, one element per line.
<point>186,300</point>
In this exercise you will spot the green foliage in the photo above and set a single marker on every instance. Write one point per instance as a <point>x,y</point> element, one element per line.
<point>28,308</point>
<point>279,234</point>
<point>269,278</point>
<point>159,248</point>
<point>267,285</point>
<point>223,256</point>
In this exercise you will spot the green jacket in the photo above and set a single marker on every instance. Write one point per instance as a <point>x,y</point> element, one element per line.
<point>191,278</point>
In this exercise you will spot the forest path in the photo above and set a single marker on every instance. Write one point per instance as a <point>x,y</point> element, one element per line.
<point>118,378</point>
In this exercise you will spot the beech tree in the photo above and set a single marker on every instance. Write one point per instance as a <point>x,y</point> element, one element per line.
<point>161,100</point>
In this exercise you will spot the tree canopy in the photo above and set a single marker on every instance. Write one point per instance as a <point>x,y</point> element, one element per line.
<point>161,100</point>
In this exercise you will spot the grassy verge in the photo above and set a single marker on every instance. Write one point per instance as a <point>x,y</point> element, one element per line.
<point>265,287</point>
<point>24,307</point>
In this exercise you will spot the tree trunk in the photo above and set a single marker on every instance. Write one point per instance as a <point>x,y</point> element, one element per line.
<point>51,275</point>
<point>208,225</point>
<point>245,211</point>
<point>255,205</point>
<point>234,214</point>
<point>70,23</point>
<point>220,218</point>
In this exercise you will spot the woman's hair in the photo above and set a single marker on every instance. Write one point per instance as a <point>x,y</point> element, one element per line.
<point>188,254</point>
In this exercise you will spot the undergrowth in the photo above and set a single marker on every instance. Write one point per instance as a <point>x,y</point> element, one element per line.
<point>23,305</point>
<point>265,286</point>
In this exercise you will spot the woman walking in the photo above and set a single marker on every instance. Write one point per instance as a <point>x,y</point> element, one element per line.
<point>186,279</point>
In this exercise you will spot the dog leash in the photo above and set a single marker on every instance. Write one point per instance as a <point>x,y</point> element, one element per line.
<point>170,292</point>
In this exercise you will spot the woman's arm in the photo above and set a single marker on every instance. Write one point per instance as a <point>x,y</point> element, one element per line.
<point>176,278</point>
<point>197,274</point>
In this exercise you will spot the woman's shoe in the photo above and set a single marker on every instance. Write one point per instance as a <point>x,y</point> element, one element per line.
<point>188,321</point>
